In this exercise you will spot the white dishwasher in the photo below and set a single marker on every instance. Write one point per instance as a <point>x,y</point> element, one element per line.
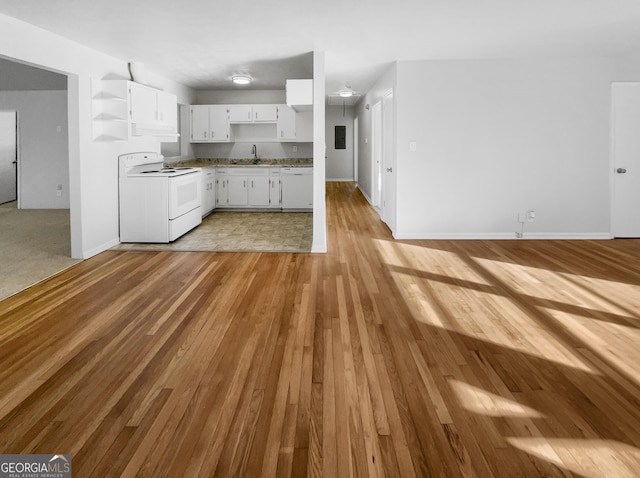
<point>297,188</point>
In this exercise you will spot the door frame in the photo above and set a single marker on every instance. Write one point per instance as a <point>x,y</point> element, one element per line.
<point>376,156</point>
<point>17,168</point>
<point>613,182</point>
<point>388,160</point>
<point>355,148</point>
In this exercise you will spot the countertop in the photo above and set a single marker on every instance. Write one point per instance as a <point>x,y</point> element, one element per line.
<point>250,162</point>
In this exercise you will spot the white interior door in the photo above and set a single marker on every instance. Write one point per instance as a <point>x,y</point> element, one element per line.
<point>8,156</point>
<point>376,154</point>
<point>388,161</point>
<point>625,150</point>
<point>355,149</point>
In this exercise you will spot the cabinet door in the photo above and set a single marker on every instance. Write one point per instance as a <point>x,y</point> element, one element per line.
<point>274,191</point>
<point>143,104</point>
<point>218,123</point>
<point>265,113</point>
<point>237,190</point>
<point>167,105</point>
<point>208,191</point>
<point>286,123</point>
<point>258,190</point>
<point>222,192</point>
<point>199,123</point>
<point>240,114</point>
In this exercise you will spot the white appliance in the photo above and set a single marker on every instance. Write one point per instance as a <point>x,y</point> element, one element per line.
<point>297,188</point>
<point>157,204</point>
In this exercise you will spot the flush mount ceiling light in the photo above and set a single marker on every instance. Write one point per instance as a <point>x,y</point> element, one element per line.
<point>345,93</point>
<point>241,79</point>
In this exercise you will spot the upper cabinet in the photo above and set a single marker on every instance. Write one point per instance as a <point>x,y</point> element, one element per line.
<point>249,123</point>
<point>286,124</point>
<point>121,109</point>
<point>300,94</point>
<point>209,123</point>
<point>253,113</point>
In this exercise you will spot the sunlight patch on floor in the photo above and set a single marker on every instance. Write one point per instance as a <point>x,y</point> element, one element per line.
<point>482,402</point>
<point>476,309</point>
<point>605,457</point>
<point>598,334</point>
<point>427,260</point>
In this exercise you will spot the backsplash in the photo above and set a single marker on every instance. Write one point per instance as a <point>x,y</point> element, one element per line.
<point>243,150</point>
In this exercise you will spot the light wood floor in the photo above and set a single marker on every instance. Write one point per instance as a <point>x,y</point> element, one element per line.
<point>380,358</point>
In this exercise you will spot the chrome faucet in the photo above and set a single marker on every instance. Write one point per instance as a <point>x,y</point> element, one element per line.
<point>254,151</point>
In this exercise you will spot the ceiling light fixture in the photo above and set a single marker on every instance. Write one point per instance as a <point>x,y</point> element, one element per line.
<point>241,80</point>
<point>345,93</point>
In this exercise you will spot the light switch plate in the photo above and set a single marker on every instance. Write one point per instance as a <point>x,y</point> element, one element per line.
<point>413,146</point>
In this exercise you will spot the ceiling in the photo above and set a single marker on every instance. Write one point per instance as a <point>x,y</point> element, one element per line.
<point>201,43</point>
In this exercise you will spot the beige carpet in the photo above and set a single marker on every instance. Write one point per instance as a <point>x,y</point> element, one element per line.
<point>34,244</point>
<point>228,231</point>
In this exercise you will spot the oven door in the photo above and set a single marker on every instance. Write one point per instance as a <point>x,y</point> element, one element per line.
<point>184,194</point>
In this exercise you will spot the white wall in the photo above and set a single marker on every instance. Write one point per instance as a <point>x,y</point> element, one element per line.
<point>93,174</point>
<point>43,150</point>
<point>495,138</point>
<point>339,165</point>
<point>319,242</point>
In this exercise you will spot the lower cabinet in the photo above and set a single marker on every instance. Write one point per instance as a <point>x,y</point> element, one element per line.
<point>258,190</point>
<point>244,187</point>
<point>208,190</point>
<point>237,191</point>
<point>275,188</point>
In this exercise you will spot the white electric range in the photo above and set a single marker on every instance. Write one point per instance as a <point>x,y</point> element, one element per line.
<point>157,203</point>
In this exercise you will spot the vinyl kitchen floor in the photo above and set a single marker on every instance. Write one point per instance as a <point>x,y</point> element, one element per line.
<point>242,232</point>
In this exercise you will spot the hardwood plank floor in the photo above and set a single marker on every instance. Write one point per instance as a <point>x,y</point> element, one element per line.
<point>380,358</point>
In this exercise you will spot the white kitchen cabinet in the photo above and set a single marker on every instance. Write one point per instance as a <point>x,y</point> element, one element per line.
<point>253,113</point>
<point>167,104</point>
<point>199,123</point>
<point>222,188</point>
<point>152,111</point>
<point>240,114</point>
<point>265,113</point>
<point>299,94</point>
<point>143,104</point>
<point>209,123</point>
<point>208,190</point>
<point>286,126</point>
<point>258,190</point>
<point>237,191</point>
<point>274,188</point>
<point>243,187</point>
<point>121,109</point>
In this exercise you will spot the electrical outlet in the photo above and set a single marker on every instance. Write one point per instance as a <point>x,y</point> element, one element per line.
<point>295,148</point>
<point>531,215</point>
<point>522,217</point>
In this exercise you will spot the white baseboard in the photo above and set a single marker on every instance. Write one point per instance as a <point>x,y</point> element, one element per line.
<point>338,180</point>
<point>365,195</point>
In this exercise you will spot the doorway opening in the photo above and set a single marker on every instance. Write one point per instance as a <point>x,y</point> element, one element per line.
<point>9,158</point>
